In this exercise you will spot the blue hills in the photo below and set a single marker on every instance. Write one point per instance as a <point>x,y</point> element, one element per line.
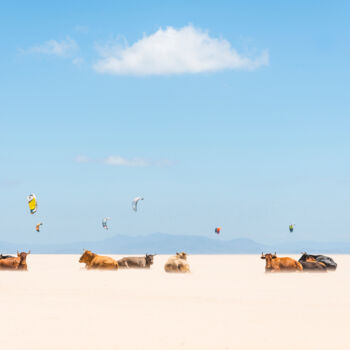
<point>160,243</point>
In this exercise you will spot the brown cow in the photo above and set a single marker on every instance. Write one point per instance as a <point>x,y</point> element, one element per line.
<point>177,263</point>
<point>94,261</point>
<point>15,263</point>
<point>274,264</point>
<point>313,266</point>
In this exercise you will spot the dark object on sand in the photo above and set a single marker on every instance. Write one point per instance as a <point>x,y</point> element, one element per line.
<point>326,260</point>
<point>135,262</point>
<point>313,266</point>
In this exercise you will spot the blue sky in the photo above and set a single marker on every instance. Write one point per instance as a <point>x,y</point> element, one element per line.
<point>242,122</point>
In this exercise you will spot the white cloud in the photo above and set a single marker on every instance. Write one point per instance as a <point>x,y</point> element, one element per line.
<point>120,161</point>
<point>175,51</point>
<point>53,47</point>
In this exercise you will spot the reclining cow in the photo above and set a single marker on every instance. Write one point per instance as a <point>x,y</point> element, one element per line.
<point>15,263</point>
<point>94,261</point>
<point>135,262</point>
<point>313,266</point>
<point>275,264</point>
<point>177,263</point>
<point>325,260</point>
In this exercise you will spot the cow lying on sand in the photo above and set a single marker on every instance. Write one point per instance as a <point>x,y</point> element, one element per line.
<point>274,264</point>
<point>313,266</point>
<point>135,262</point>
<point>177,263</point>
<point>94,261</point>
<point>325,260</point>
<point>15,263</point>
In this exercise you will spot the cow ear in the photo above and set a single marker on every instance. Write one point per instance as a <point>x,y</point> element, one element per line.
<point>263,257</point>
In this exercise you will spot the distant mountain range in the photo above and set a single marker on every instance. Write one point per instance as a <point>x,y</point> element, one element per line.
<point>160,243</point>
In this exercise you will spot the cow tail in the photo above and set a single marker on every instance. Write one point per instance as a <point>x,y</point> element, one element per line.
<point>299,266</point>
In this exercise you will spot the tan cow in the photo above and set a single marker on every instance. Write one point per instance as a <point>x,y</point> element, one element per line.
<point>177,263</point>
<point>274,264</point>
<point>14,263</point>
<point>94,261</point>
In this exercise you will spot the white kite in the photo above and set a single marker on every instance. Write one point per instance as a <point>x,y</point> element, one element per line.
<point>135,202</point>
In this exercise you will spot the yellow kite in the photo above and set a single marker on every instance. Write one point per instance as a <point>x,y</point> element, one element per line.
<point>33,204</point>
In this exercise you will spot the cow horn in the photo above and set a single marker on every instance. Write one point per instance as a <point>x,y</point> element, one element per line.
<point>28,252</point>
<point>17,252</point>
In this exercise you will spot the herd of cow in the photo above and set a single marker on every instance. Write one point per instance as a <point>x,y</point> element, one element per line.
<point>178,263</point>
<point>19,262</point>
<point>307,262</point>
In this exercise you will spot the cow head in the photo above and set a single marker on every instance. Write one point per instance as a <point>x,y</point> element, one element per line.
<point>306,257</point>
<point>149,259</point>
<point>268,257</point>
<point>23,260</point>
<point>181,255</point>
<point>86,257</point>
<point>23,255</point>
<point>303,256</point>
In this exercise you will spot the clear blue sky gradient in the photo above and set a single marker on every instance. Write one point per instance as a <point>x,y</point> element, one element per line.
<point>250,151</point>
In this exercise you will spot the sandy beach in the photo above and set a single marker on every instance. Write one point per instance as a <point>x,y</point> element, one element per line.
<point>227,302</point>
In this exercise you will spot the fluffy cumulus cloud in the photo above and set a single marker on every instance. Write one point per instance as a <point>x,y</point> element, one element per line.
<point>62,48</point>
<point>175,51</point>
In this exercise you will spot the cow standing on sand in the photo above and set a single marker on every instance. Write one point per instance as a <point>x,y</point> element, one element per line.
<point>94,261</point>
<point>15,263</point>
<point>177,263</point>
<point>135,262</point>
<point>274,264</point>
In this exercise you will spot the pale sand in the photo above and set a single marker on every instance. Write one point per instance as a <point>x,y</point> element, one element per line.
<point>227,302</point>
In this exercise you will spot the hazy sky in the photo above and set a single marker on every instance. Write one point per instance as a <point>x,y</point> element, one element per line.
<point>223,113</point>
